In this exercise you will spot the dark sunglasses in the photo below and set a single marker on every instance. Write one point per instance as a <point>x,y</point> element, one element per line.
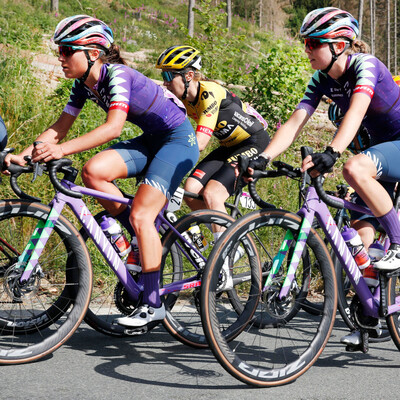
<point>312,44</point>
<point>168,76</point>
<point>66,51</point>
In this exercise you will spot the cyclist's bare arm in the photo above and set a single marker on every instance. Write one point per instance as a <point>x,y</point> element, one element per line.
<point>202,140</point>
<point>106,132</point>
<point>287,133</point>
<point>53,134</point>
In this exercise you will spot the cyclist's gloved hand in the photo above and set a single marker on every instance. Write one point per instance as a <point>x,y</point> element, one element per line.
<point>260,163</point>
<point>323,162</point>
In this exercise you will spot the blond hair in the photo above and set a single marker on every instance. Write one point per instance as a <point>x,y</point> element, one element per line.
<point>358,46</point>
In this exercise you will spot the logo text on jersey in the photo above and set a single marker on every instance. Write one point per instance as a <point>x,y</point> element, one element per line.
<point>204,129</point>
<point>248,121</point>
<point>118,105</point>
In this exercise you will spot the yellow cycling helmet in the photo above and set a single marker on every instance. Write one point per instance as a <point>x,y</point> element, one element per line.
<point>178,58</point>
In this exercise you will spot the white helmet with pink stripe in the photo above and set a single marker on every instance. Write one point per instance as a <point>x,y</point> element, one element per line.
<point>83,31</point>
<point>329,24</point>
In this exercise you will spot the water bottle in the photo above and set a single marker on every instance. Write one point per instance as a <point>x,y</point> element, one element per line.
<point>133,262</point>
<point>356,247</point>
<point>371,275</point>
<point>198,238</point>
<point>113,231</point>
<point>376,251</point>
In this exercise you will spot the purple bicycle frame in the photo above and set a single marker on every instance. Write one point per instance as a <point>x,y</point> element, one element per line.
<point>313,206</point>
<point>97,235</point>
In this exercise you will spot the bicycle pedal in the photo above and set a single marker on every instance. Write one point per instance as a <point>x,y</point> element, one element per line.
<point>350,348</point>
<point>390,274</point>
<point>137,331</point>
<point>365,342</point>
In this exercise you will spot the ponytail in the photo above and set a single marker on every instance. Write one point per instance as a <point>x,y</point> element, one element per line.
<point>113,56</point>
<point>358,46</point>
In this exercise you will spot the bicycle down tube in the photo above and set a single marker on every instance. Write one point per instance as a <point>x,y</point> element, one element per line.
<point>42,232</point>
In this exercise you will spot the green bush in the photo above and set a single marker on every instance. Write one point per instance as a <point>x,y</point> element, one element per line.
<point>277,83</point>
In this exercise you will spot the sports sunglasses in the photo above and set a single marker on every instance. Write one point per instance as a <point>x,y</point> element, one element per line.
<point>168,76</point>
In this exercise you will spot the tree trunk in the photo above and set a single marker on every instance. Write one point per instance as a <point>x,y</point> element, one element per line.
<point>360,15</point>
<point>260,19</point>
<point>191,18</point>
<point>54,5</point>
<point>229,14</point>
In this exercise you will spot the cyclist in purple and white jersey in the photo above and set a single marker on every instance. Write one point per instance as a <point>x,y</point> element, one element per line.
<point>164,153</point>
<point>365,91</point>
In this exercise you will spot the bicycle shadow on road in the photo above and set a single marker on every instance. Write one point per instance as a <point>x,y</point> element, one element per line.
<point>380,355</point>
<point>153,359</point>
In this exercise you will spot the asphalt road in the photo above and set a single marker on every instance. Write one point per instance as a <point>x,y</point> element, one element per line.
<point>155,366</point>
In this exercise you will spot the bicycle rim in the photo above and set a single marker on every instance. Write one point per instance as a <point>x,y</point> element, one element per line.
<point>183,320</point>
<point>393,320</point>
<point>37,316</point>
<point>109,299</point>
<point>272,348</point>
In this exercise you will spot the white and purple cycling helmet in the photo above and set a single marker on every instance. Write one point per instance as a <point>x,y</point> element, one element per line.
<point>329,24</point>
<point>83,31</point>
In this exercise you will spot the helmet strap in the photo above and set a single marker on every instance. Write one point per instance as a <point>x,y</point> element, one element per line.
<point>186,87</point>
<point>335,56</point>
<point>90,65</point>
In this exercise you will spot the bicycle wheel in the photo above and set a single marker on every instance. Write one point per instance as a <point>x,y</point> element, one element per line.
<point>109,299</point>
<point>39,315</point>
<point>393,320</point>
<point>271,350</point>
<point>183,319</point>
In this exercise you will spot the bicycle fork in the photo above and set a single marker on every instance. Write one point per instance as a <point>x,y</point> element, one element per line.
<point>29,258</point>
<point>295,259</point>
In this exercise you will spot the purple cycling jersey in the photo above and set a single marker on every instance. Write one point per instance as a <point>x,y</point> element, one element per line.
<point>147,105</point>
<point>364,74</point>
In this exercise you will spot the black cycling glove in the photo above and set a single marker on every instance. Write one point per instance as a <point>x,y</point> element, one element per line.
<point>259,163</point>
<point>323,162</point>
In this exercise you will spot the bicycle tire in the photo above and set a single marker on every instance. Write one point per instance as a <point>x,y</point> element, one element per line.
<point>38,316</point>
<point>109,299</point>
<point>393,320</point>
<point>183,320</point>
<point>254,356</point>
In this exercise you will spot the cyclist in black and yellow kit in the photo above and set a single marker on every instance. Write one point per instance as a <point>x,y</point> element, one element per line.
<point>237,126</point>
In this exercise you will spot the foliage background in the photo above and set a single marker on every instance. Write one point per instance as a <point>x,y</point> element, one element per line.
<point>268,71</point>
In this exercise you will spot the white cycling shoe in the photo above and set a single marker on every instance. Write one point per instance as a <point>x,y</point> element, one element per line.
<point>391,260</point>
<point>227,279</point>
<point>353,339</point>
<point>142,316</point>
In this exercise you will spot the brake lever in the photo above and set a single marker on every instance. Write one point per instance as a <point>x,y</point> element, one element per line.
<point>37,168</point>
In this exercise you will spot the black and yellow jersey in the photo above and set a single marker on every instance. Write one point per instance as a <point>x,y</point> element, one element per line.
<point>220,112</point>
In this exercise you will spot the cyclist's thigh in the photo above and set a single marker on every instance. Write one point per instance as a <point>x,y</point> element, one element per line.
<point>175,158</point>
<point>249,148</point>
<point>206,168</point>
<point>136,154</point>
<point>386,159</point>
<point>97,166</point>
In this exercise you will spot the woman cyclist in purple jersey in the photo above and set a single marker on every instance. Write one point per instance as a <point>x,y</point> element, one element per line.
<point>366,93</point>
<point>164,153</point>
